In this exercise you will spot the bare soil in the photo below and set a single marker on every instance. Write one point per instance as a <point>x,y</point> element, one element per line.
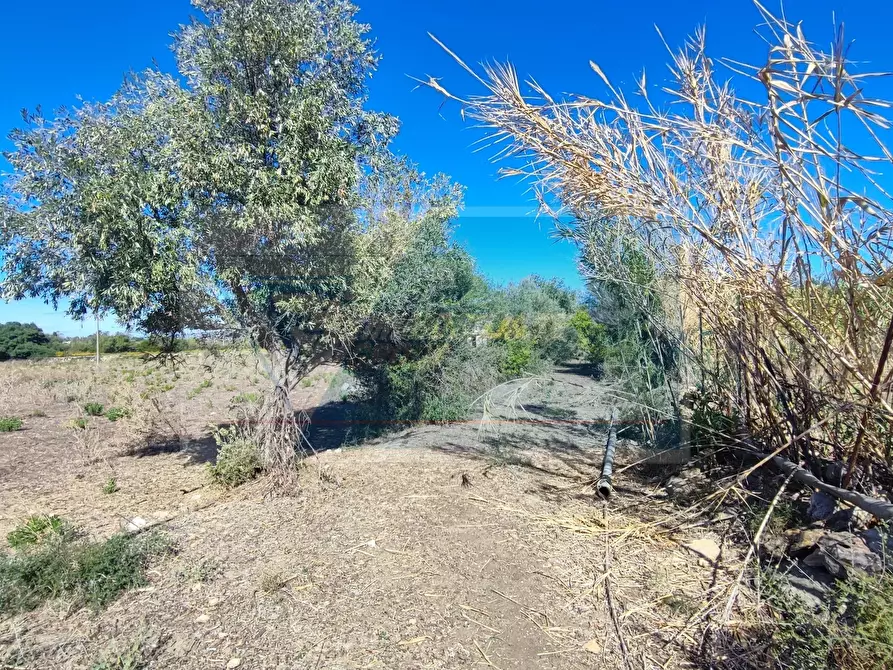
<point>459,546</point>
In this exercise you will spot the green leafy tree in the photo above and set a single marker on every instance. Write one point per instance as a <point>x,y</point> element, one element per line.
<point>254,193</point>
<point>24,340</point>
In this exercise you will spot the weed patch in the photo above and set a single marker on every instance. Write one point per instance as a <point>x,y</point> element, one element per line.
<point>37,529</point>
<point>94,409</point>
<point>9,423</point>
<point>237,458</point>
<point>92,573</point>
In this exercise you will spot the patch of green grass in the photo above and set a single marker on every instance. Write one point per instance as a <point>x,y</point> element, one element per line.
<point>9,424</point>
<point>115,413</point>
<point>94,409</point>
<point>110,486</point>
<point>91,573</point>
<point>248,398</point>
<point>80,423</point>
<point>37,529</point>
<point>206,383</point>
<point>307,382</point>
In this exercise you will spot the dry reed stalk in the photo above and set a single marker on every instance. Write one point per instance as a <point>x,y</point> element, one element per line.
<point>766,224</point>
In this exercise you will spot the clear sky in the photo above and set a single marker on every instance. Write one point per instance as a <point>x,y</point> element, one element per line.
<point>53,51</point>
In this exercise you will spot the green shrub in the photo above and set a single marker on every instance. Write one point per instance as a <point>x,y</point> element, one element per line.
<point>115,413</point>
<point>94,409</point>
<point>517,357</point>
<point>593,340</point>
<point>853,630</point>
<point>110,486</point>
<point>36,529</point>
<point>93,573</point>
<point>9,424</point>
<point>238,460</point>
<point>80,423</point>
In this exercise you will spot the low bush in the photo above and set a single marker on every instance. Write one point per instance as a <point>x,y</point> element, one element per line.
<point>110,486</point>
<point>92,573</point>
<point>94,409</point>
<point>10,423</point>
<point>238,460</point>
<point>115,413</point>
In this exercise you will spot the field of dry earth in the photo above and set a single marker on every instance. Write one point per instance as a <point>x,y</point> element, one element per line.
<point>460,546</point>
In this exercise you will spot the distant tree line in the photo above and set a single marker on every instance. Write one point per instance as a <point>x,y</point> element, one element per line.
<point>28,341</point>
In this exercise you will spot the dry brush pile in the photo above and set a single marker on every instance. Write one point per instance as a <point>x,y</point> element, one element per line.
<point>766,223</point>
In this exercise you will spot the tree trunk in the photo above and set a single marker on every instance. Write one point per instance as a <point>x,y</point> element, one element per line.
<point>280,426</point>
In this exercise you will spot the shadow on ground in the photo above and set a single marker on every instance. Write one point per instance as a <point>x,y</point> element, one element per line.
<point>198,450</point>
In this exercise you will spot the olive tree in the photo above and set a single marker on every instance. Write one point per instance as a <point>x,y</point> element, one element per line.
<point>254,191</point>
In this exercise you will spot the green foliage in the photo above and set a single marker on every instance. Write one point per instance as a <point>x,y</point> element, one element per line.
<point>79,423</point>
<point>439,386</point>
<point>110,486</point>
<point>9,424</point>
<point>115,413</point>
<point>712,422</point>
<point>134,657</point>
<point>37,529</point>
<point>57,563</point>
<point>517,357</point>
<point>238,460</point>
<point>94,409</point>
<point>854,630</point>
<point>538,311</point>
<point>256,169</point>
<point>24,340</point>
<point>592,336</point>
<point>247,398</point>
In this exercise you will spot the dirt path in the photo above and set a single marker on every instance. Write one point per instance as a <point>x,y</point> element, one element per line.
<point>436,547</point>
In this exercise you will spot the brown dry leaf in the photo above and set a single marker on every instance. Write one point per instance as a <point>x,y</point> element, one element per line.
<point>593,647</point>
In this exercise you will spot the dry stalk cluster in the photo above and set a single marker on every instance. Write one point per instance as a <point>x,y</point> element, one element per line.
<point>766,222</point>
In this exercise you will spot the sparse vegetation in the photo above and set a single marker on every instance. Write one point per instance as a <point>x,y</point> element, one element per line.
<point>115,413</point>
<point>110,486</point>
<point>36,530</point>
<point>51,561</point>
<point>238,459</point>
<point>10,423</point>
<point>94,409</point>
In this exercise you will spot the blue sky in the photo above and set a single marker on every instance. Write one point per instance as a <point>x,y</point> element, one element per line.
<point>53,51</point>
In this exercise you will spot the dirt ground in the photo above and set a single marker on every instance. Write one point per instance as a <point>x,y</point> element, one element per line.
<point>460,546</point>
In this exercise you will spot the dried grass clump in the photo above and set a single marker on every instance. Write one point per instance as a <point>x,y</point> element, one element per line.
<point>765,221</point>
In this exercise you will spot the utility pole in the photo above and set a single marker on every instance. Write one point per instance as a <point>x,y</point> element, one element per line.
<point>96,314</point>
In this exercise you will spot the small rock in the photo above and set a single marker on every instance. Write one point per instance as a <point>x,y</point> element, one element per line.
<point>593,647</point>
<point>802,542</point>
<point>704,547</point>
<point>848,519</point>
<point>234,662</point>
<point>821,506</point>
<point>213,602</point>
<point>811,592</point>
<point>879,542</point>
<point>203,618</point>
<point>134,525</point>
<point>842,554</point>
